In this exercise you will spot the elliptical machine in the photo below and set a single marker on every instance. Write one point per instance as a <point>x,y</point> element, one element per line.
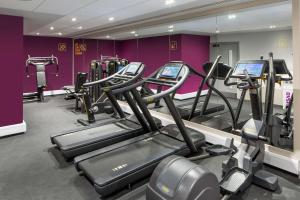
<point>177,178</point>
<point>281,124</point>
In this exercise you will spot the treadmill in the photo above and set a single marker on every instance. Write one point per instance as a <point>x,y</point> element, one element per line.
<point>231,119</point>
<point>110,131</point>
<point>114,167</point>
<point>187,111</point>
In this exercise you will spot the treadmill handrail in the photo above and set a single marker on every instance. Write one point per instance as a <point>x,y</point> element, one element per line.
<point>103,80</point>
<point>171,90</point>
<point>135,85</point>
<point>127,79</point>
<point>191,68</point>
<point>126,82</point>
<point>214,66</point>
<point>227,79</point>
<point>150,79</point>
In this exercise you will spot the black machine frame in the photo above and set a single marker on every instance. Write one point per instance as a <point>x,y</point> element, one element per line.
<point>41,83</point>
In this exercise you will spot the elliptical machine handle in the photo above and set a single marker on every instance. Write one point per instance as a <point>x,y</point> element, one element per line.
<point>248,83</point>
<point>227,79</point>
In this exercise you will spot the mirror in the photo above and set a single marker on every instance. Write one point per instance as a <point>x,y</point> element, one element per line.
<point>239,35</point>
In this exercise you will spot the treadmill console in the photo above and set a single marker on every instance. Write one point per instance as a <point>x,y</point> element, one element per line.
<point>132,68</point>
<point>280,67</point>
<point>255,69</point>
<point>171,71</point>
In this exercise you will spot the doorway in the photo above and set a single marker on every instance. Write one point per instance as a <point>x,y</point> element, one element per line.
<point>230,56</point>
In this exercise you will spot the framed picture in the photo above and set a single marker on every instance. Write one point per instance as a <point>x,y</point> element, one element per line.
<point>173,45</point>
<point>62,47</point>
<point>80,48</point>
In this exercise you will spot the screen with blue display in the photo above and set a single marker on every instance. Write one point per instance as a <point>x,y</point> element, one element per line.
<point>253,69</point>
<point>170,71</point>
<point>132,68</point>
<point>120,67</point>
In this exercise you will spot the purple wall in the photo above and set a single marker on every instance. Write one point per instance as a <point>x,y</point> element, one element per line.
<point>46,46</point>
<point>155,52</point>
<point>11,39</point>
<point>195,52</point>
<point>81,62</point>
<point>128,49</point>
<point>94,49</point>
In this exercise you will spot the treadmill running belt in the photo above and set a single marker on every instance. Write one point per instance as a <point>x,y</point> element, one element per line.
<point>185,110</point>
<point>129,158</point>
<point>115,169</point>
<point>88,135</point>
<point>82,141</point>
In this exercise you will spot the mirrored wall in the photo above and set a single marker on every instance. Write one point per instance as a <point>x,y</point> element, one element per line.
<point>242,41</point>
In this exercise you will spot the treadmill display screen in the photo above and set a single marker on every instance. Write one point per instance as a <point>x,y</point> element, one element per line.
<point>171,71</point>
<point>253,69</point>
<point>132,68</point>
<point>120,67</point>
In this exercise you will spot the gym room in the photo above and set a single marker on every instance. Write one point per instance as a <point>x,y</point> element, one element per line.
<point>150,100</point>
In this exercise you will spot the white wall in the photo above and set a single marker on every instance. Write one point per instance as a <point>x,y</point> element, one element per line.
<point>255,44</point>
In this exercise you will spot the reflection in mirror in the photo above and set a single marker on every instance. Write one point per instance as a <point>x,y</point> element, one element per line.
<point>237,36</point>
<point>218,100</point>
<point>241,36</point>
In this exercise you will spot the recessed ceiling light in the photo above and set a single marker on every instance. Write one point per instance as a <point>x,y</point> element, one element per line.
<point>111,19</point>
<point>132,32</point>
<point>171,26</point>
<point>171,30</point>
<point>169,2</point>
<point>217,31</point>
<point>231,16</point>
<point>136,35</point>
<point>59,33</point>
<point>37,33</point>
<point>107,36</point>
<point>272,26</point>
<point>52,28</point>
<point>74,19</point>
<point>79,27</point>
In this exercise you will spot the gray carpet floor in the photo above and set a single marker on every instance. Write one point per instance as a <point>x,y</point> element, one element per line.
<point>32,169</point>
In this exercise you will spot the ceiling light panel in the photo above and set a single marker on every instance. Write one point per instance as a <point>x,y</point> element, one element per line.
<point>20,5</point>
<point>87,11</point>
<point>130,9</point>
<point>231,16</point>
<point>62,7</point>
<point>169,2</point>
<point>248,20</point>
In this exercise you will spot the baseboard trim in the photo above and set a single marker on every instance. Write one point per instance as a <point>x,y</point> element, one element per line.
<point>54,92</point>
<point>13,129</point>
<point>186,95</point>
<point>177,96</point>
<point>189,95</point>
<point>51,92</point>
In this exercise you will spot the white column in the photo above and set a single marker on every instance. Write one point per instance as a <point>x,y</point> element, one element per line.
<point>296,70</point>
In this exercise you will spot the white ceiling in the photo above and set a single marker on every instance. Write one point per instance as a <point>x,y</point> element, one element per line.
<point>40,15</point>
<point>258,19</point>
